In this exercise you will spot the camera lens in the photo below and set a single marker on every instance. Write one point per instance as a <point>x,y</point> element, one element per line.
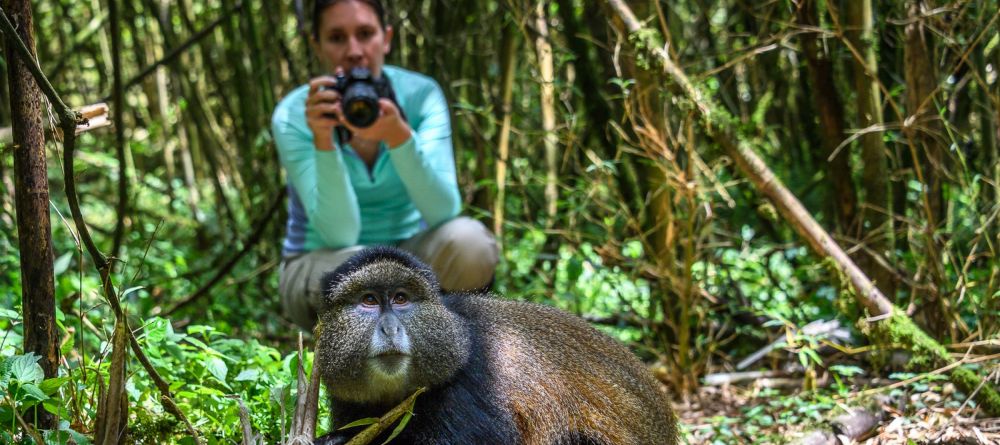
<point>361,104</point>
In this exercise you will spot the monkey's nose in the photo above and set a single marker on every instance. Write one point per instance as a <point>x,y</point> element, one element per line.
<point>390,329</point>
<point>389,326</point>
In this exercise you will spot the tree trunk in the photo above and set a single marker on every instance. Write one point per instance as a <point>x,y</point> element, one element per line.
<point>508,62</point>
<point>588,75</point>
<point>923,130</point>
<point>628,178</point>
<point>995,167</point>
<point>31,184</point>
<point>877,217</point>
<point>548,98</point>
<point>831,116</point>
<point>117,93</point>
<point>4,97</point>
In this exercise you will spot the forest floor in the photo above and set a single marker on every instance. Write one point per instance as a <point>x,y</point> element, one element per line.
<point>749,414</point>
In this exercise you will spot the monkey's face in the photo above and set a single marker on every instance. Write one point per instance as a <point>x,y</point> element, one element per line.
<point>383,333</point>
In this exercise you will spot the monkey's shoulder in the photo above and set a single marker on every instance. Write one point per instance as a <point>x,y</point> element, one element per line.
<point>516,338</point>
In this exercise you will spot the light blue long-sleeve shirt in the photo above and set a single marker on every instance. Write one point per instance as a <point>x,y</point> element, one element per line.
<point>335,201</point>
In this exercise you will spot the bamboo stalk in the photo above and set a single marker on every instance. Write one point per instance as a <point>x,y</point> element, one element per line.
<point>509,63</point>
<point>831,117</point>
<point>546,70</point>
<point>860,32</point>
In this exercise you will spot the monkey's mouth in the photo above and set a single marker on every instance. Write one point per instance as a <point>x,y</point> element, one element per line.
<point>391,361</point>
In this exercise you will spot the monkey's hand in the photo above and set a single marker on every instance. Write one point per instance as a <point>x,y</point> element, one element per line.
<point>333,438</point>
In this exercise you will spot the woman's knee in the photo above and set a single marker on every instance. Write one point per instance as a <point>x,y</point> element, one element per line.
<point>470,239</point>
<point>468,255</point>
<point>301,279</point>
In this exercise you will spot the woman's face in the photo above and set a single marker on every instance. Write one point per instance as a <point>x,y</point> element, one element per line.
<point>350,35</point>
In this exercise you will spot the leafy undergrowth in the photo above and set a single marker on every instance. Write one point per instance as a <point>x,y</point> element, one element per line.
<point>207,372</point>
<point>928,410</point>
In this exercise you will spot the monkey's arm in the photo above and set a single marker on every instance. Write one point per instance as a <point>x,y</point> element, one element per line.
<point>319,177</point>
<point>426,162</point>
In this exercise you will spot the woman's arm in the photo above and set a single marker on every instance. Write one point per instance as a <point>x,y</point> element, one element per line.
<point>426,163</point>
<point>319,177</point>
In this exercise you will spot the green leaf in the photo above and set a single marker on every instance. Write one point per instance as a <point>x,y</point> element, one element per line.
<point>991,45</point>
<point>208,391</point>
<point>814,356</point>
<point>9,314</point>
<point>50,386</point>
<point>847,371</point>
<point>203,346</point>
<point>131,290</point>
<point>248,375</point>
<point>5,367</point>
<point>67,347</point>
<point>156,329</point>
<point>399,428</point>
<point>62,263</point>
<point>632,249</point>
<point>360,422</point>
<point>25,369</point>
<point>65,435</point>
<point>33,392</point>
<point>217,367</point>
<point>54,406</point>
<point>574,268</point>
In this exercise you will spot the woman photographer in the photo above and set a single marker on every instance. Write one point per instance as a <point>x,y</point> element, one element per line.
<point>392,182</point>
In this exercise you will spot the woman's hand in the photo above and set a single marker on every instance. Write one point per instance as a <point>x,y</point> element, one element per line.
<point>390,127</point>
<point>323,111</point>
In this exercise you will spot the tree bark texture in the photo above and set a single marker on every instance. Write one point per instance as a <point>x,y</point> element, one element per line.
<point>924,131</point>
<point>32,203</point>
<point>543,49</point>
<point>509,62</point>
<point>831,118</point>
<point>996,129</point>
<point>119,118</point>
<point>875,174</point>
<point>922,119</point>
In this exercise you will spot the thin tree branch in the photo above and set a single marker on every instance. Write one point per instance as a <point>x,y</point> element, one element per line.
<point>251,241</point>
<point>174,53</point>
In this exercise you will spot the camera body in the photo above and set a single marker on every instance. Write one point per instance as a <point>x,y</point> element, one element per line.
<point>360,92</point>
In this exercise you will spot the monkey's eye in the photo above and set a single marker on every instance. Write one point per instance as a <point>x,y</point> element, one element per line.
<point>400,298</point>
<point>369,300</point>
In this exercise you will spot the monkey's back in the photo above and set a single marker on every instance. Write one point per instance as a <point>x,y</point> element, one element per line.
<point>559,380</point>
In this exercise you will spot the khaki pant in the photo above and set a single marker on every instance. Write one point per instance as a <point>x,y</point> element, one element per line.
<point>462,252</point>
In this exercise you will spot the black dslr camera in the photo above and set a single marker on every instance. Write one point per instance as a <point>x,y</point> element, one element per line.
<point>359,94</point>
